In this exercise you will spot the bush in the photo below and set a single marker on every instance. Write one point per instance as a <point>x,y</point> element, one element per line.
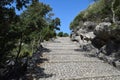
<point>61,34</point>
<point>65,35</point>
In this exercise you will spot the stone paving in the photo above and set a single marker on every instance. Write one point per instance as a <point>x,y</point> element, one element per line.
<point>66,63</point>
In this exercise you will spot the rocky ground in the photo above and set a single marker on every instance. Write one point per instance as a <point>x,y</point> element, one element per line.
<point>67,62</point>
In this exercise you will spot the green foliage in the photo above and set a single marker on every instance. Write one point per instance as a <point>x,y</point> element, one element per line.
<point>61,34</point>
<point>35,26</point>
<point>95,12</point>
<point>76,20</point>
<point>22,35</point>
<point>8,28</point>
<point>117,8</point>
<point>54,24</point>
<point>65,34</point>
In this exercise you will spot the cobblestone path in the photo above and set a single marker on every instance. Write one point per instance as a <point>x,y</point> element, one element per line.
<point>66,62</point>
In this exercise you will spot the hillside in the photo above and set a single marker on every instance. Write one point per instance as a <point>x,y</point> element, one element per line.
<point>99,26</point>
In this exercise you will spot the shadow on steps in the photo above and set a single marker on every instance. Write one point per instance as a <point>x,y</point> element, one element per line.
<point>34,66</point>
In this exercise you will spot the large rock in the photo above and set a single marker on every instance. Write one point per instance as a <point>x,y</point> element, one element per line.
<point>84,33</point>
<point>115,35</point>
<point>74,37</point>
<point>87,30</point>
<point>90,35</point>
<point>103,26</point>
<point>85,27</point>
<point>107,19</point>
<point>98,42</point>
<point>89,26</point>
<point>81,32</point>
<point>102,34</point>
<point>103,30</point>
<point>105,37</point>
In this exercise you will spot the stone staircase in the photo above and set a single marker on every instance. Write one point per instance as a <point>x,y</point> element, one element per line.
<point>67,62</point>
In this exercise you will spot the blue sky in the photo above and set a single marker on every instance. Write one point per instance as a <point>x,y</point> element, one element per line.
<point>66,10</point>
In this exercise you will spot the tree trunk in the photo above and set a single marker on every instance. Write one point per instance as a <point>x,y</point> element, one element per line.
<point>19,50</point>
<point>113,12</point>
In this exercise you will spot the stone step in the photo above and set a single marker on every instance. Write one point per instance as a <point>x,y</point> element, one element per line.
<point>62,48</point>
<point>58,44</point>
<point>68,52</point>
<point>70,58</point>
<point>112,77</point>
<point>67,62</point>
<point>74,70</point>
<point>63,44</point>
<point>63,53</point>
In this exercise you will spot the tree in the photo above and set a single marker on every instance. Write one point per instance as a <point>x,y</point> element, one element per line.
<point>8,20</point>
<point>60,34</point>
<point>113,12</point>
<point>65,34</point>
<point>9,33</point>
<point>55,23</point>
<point>36,27</point>
<point>98,11</point>
<point>114,5</point>
<point>21,35</point>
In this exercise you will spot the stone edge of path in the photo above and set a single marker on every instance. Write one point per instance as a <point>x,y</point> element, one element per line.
<point>109,60</point>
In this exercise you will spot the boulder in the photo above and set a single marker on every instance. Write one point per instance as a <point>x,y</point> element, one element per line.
<point>104,38</point>
<point>102,30</point>
<point>89,26</point>
<point>107,19</point>
<point>118,22</point>
<point>74,37</point>
<point>117,64</point>
<point>86,31</point>
<point>89,35</point>
<point>98,43</point>
<point>81,32</point>
<point>115,35</point>
<point>88,47</point>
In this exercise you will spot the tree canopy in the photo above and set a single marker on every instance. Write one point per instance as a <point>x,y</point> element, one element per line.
<point>62,34</point>
<point>97,12</point>
<point>21,35</point>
